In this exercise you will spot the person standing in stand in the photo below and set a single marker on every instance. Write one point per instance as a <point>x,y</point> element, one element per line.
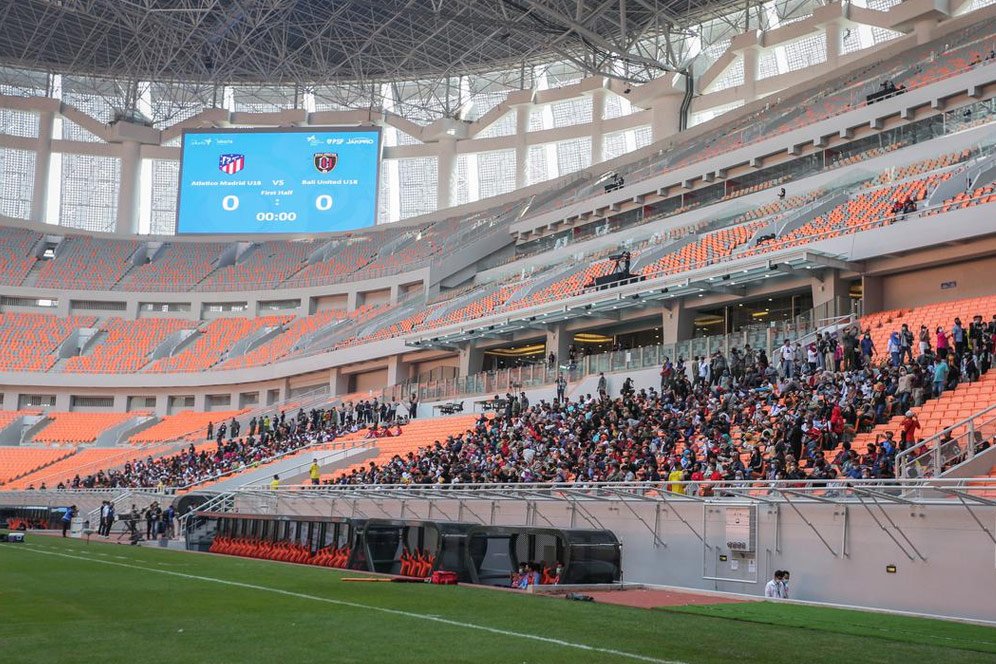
<point>561,387</point>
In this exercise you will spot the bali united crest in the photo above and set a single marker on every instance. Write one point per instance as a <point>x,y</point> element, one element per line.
<point>326,161</point>
<point>231,163</point>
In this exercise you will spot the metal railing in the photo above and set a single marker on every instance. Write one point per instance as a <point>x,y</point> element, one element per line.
<point>948,448</point>
<point>937,490</point>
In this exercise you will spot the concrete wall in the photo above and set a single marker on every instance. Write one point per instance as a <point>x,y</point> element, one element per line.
<point>681,543</point>
<point>931,285</point>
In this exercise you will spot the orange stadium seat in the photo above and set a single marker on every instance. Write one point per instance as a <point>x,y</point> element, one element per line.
<point>213,343</point>
<point>187,425</point>
<point>84,462</point>
<point>127,345</point>
<point>416,434</point>
<point>74,428</point>
<point>87,263</point>
<point>18,461</point>
<point>28,340</point>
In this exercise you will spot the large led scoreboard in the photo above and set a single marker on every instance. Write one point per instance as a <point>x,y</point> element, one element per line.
<point>286,180</point>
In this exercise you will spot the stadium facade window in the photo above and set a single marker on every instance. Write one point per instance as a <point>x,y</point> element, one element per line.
<point>97,305</point>
<point>767,64</point>
<point>495,172</point>
<point>537,165</point>
<point>536,119</point>
<point>170,103</point>
<point>503,126</point>
<point>36,401</point>
<point>24,82</point>
<point>879,5</point>
<point>614,145</point>
<point>18,123</point>
<point>7,301</point>
<point>165,180</point>
<point>460,190</point>
<point>710,54</point>
<point>572,112</point>
<point>279,305</point>
<point>616,107</point>
<point>384,195</point>
<point>89,196</point>
<point>17,183</point>
<point>807,52</point>
<point>165,307</point>
<point>417,183</point>
<point>225,307</point>
<point>405,139</point>
<point>77,401</point>
<point>573,155</point>
<point>98,98</point>
<point>731,78</point>
<point>643,136</point>
<point>882,35</point>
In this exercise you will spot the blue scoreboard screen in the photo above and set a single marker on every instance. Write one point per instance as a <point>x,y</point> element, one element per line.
<point>300,180</point>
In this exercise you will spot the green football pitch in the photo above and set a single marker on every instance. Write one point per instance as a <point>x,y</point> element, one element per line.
<point>67,601</point>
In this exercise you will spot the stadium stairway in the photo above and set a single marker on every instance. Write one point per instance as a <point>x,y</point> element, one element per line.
<point>418,433</point>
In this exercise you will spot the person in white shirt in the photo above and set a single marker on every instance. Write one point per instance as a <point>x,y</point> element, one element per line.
<point>788,359</point>
<point>773,589</point>
<point>785,584</point>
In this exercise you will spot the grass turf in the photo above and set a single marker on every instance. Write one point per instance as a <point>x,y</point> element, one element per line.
<point>853,623</point>
<point>112,603</point>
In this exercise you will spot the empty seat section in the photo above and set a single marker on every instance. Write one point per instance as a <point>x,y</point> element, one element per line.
<point>263,266</point>
<point>416,434</point>
<point>28,341</point>
<point>17,461</point>
<point>284,343</point>
<point>347,259</point>
<point>71,428</point>
<point>707,250</point>
<point>186,425</point>
<point>127,346</point>
<point>87,263</point>
<point>16,254</point>
<point>178,266</point>
<point>213,343</point>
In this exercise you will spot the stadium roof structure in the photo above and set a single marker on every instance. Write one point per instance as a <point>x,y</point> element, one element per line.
<point>357,41</point>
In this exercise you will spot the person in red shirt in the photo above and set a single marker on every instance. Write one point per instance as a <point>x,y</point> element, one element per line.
<point>908,427</point>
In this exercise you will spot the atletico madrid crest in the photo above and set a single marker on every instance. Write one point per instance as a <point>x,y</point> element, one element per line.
<point>231,163</point>
<point>326,161</point>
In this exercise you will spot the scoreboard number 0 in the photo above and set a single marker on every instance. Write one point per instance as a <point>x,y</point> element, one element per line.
<point>230,203</point>
<point>323,202</point>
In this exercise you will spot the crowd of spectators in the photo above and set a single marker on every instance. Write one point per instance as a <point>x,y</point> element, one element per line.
<point>267,437</point>
<point>739,417</point>
<point>736,418</point>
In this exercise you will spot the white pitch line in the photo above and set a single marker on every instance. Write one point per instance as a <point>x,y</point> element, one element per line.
<point>368,607</point>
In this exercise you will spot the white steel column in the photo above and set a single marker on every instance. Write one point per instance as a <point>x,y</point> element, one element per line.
<point>446,172</point>
<point>597,135</point>
<point>43,164</point>
<point>128,191</point>
<point>521,146</point>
